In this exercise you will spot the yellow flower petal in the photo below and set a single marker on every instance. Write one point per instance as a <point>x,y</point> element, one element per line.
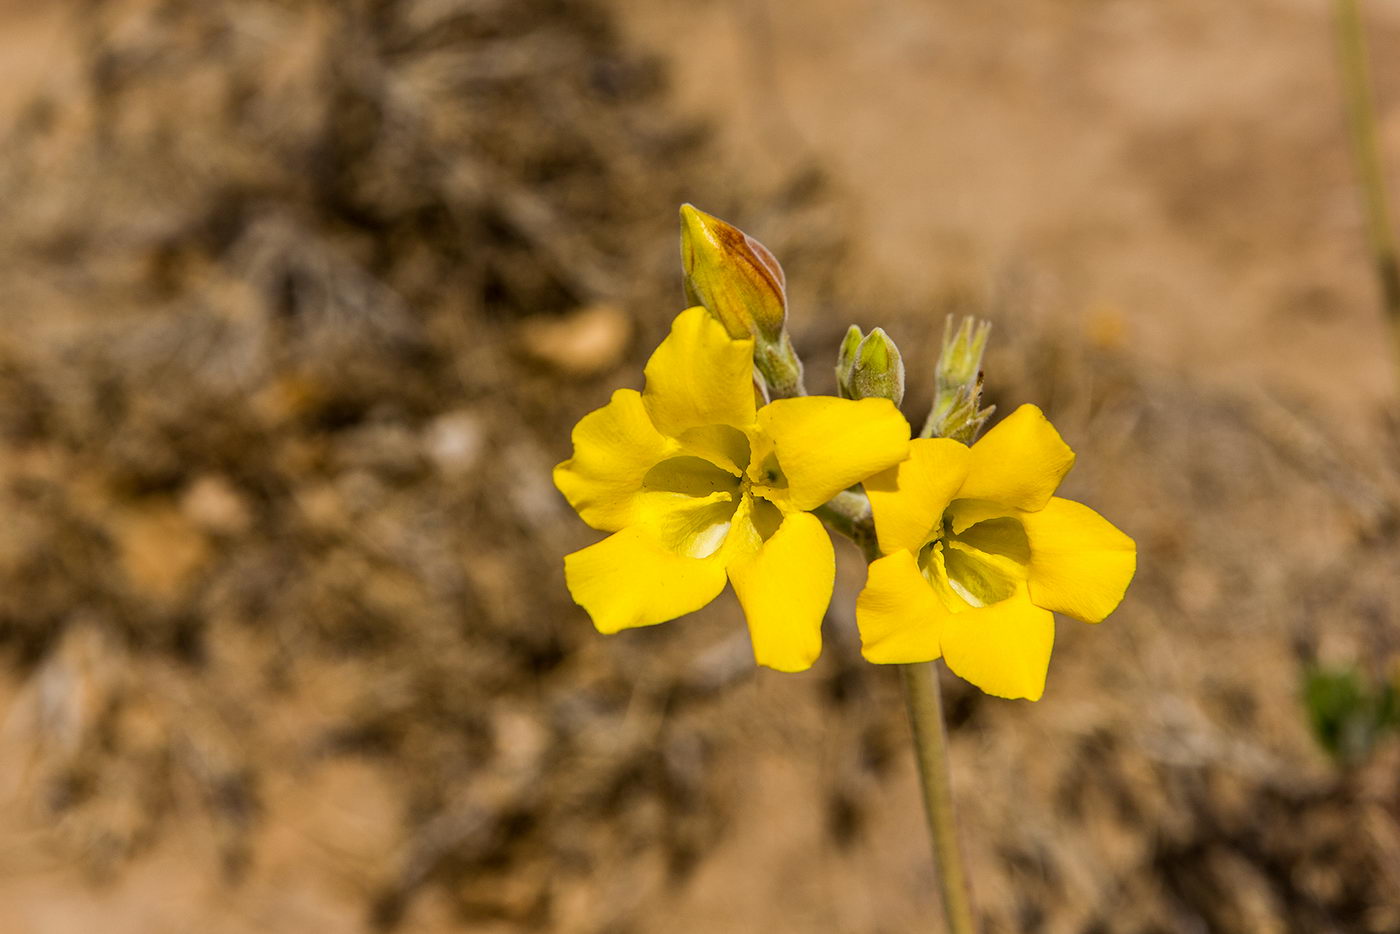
<point>614,447</point>
<point>908,500</point>
<point>1080,563</point>
<point>693,526</point>
<point>1004,648</point>
<point>964,513</point>
<point>825,444</point>
<point>900,618</point>
<point>722,445</point>
<point>1019,463</point>
<point>699,377</point>
<point>980,578</point>
<point>785,589</point>
<point>629,579</point>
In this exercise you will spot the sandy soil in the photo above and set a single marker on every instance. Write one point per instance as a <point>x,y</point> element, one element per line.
<point>1154,165</point>
<point>317,671</point>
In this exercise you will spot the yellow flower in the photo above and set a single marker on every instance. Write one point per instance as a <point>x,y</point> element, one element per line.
<point>978,552</point>
<point>699,485</point>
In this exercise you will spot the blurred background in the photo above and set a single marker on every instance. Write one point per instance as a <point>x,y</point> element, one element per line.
<point>299,300</point>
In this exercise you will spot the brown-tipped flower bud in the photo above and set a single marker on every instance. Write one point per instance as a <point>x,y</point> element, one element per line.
<point>879,369</point>
<point>734,276</point>
<point>738,281</point>
<point>846,360</point>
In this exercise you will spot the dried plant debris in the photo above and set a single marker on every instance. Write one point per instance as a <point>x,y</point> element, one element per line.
<point>299,302</point>
<point>289,295</point>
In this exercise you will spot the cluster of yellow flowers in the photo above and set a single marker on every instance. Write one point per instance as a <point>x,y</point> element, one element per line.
<point>702,480</point>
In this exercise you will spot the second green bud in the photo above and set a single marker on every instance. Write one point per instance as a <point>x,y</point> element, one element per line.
<point>870,366</point>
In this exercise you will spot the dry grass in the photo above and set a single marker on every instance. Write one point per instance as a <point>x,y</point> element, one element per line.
<point>300,302</point>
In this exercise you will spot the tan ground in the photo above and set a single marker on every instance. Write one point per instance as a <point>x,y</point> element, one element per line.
<point>284,637</point>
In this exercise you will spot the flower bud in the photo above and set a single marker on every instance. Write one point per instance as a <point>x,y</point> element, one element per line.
<point>960,361</point>
<point>740,282</point>
<point>734,276</point>
<point>957,411</point>
<point>879,369</point>
<point>846,360</point>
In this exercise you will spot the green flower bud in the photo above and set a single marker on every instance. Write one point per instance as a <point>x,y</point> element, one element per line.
<point>957,411</point>
<point>846,360</point>
<point>960,362</point>
<point>879,369</point>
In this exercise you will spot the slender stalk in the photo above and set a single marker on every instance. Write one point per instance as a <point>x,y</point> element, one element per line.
<point>1365,143</point>
<point>848,512</point>
<point>921,695</point>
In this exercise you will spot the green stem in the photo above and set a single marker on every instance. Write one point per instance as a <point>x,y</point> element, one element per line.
<point>848,512</point>
<point>781,367</point>
<point>921,696</point>
<point>1365,142</point>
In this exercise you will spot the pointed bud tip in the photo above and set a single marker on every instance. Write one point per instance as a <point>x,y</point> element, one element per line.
<point>695,222</point>
<point>695,232</point>
<point>877,350</point>
<point>846,356</point>
<point>846,360</point>
<point>878,370</point>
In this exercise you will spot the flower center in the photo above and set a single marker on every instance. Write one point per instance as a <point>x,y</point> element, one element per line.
<point>982,565</point>
<point>691,499</point>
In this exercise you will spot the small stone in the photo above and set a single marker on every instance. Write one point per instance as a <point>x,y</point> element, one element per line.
<point>455,441</point>
<point>532,492</point>
<point>212,503</point>
<point>521,741</point>
<point>586,342</point>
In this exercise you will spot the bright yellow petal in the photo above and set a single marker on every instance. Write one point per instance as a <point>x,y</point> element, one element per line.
<point>825,444</point>
<point>1004,648</point>
<point>1080,563</point>
<point>614,447</point>
<point>900,618</point>
<point>722,445</point>
<point>629,579</point>
<point>964,513</point>
<point>693,526</point>
<point>981,579</point>
<point>699,377</point>
<point>908,500</point>
<point>1019,463</point>
<point>785,589</point>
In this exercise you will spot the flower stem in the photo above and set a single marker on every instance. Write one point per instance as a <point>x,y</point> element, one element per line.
<point>848,512</point>
<point>921,696</point>
<point>1361,120</point>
